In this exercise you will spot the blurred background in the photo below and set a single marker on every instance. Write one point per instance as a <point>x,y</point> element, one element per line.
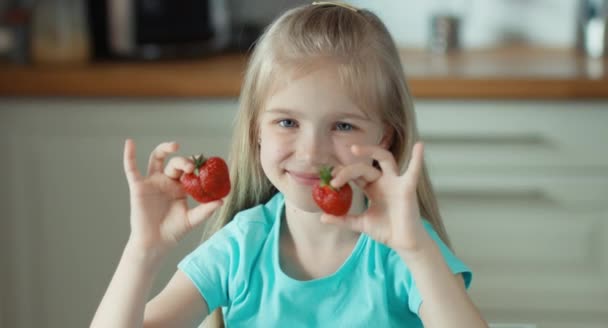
<point>150,29</point>
<point>511,99</point>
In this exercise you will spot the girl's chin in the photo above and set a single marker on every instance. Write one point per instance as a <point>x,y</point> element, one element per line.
<point>303,203</point>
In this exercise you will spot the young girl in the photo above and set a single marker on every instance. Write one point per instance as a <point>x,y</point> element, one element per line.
<point>324,86</point>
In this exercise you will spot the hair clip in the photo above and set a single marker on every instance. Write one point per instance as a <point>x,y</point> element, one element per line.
<point>335,3</point>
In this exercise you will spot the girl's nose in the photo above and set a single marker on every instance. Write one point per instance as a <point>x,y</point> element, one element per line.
<point>313,148</point>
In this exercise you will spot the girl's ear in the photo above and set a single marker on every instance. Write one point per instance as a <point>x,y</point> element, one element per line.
<point>387,138</point>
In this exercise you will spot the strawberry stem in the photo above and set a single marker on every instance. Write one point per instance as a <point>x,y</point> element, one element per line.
<point>325,175</point>
<point>198,162</point>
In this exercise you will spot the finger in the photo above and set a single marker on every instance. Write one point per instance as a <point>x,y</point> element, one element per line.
<point>384,157</point>
<point>178,166</point>
<point>200,213</point>
<point>361,183</point>
<point>158,155</point>
<point>336,171</point>
<point>129,162</point>
<point>352,222</point>
<point>356,172</point>
<point>415,165</point>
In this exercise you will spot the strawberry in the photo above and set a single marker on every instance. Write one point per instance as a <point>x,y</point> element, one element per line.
<point>330,200</point>
<point>209,181</point>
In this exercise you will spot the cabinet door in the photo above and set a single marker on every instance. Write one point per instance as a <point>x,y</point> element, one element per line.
<point>67,198</point>
<point>523,189</point>
<point>508,135</point>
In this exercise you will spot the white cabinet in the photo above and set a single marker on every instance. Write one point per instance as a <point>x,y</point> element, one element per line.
<point>523,188</point>
<point>65,206</point>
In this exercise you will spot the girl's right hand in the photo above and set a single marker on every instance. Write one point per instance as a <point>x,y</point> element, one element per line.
<point>160,216</point>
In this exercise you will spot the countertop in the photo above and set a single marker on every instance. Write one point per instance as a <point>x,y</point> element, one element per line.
<point>505,73</point>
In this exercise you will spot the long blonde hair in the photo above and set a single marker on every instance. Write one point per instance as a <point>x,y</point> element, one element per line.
<point>368,64</point>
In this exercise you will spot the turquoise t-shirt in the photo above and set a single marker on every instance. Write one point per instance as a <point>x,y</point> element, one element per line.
<point>238,269</point>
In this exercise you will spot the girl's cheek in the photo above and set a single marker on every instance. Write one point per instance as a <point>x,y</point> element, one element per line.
<point>343,152</point>
<point>275,144</point>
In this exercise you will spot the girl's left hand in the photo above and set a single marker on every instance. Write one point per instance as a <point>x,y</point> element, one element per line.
<point>393,216</point>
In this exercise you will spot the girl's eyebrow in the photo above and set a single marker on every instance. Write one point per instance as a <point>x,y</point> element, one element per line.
<point>280,111</point>
<point>356,116</point>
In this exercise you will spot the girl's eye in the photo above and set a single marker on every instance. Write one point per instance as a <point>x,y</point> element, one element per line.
<point>287,123</point>
<point>341,126</point>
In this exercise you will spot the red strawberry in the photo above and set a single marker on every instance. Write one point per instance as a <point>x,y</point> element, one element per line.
<point>330,200</point>
<point>209,181</point>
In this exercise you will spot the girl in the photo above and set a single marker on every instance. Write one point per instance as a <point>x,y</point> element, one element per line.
<point>324,86</point>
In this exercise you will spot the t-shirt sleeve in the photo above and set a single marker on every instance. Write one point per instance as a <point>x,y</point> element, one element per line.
<point>404,284</point>
<point>209,266</point>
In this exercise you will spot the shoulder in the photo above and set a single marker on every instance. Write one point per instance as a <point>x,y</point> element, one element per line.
<point>455,264</point>
<point>248,230</point>
<point>231,253</point>
<point>236,245</point>
<point>446,251</point>
<point>398,270</point>
<point>401,284</point>
<point>261,217</point>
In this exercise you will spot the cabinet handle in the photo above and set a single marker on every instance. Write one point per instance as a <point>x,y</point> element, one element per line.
<point>532,139</point>
<point>527,194</point>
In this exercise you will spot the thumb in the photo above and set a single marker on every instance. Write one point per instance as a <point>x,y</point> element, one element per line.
<point>201,212</point>
<point>352,222</point>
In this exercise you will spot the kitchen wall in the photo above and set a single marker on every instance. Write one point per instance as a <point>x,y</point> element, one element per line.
<point>486,22</point>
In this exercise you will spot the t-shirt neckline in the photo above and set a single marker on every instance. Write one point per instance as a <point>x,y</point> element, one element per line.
<point>331,278</point>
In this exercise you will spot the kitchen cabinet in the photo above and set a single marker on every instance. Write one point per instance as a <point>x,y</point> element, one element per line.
<point>523,188</point>
<point>65,205</point>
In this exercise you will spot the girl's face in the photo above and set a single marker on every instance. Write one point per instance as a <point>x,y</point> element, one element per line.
<point>309,123</point>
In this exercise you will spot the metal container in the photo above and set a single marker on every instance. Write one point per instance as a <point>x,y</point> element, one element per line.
<point>444,36</point>
<point>592,28</point>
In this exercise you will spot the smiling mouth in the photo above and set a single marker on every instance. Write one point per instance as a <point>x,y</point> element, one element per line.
<point>304,178</point>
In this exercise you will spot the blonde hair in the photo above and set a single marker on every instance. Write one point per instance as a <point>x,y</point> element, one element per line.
<point>368,64</point>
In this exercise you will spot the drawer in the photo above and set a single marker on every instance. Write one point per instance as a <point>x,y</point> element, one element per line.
<point>567,191</point>
<point>512,134</point>
<point>532,242</point>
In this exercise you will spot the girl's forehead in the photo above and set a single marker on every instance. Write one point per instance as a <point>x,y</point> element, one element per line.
<point>314,98</point>
<point>326,86</point>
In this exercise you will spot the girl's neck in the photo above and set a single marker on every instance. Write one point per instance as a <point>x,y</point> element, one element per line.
<point>305,229</point>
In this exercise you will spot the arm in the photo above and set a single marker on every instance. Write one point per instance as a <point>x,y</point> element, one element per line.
<point>393,218</point>
<point>179,304</point>
<point>124,301</point>
<point>445,300</point>
<point>160,217</point>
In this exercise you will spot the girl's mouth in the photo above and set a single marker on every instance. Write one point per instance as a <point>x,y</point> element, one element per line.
<point>307,179</point>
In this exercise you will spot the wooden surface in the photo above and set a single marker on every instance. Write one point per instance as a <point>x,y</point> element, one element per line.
<point>509,73</point>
